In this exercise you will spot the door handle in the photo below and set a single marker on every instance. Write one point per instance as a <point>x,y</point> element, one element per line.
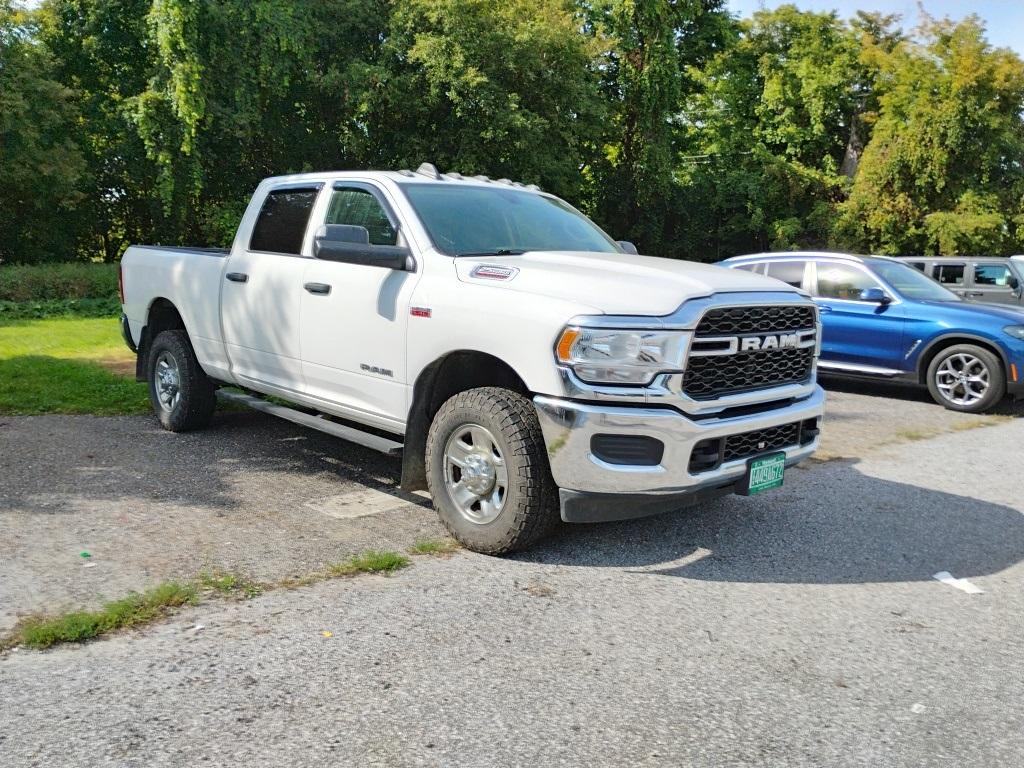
<point>237,277</point>
<point>321,289</point>
<point>823,308</point>
<point>975,293</point>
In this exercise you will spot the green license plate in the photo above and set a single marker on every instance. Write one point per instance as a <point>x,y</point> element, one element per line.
<point>765,473</point>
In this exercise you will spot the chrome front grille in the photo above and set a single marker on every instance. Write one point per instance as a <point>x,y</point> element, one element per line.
<point>720,364</point>
<point>735,321</point>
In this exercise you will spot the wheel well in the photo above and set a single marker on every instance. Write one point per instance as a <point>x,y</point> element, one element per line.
<point>931,352</point>
<point>444,378</point>
<point>162,316</point>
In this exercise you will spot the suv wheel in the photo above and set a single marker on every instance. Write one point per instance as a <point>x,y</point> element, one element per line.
<point>182,394</point>
<point>966,378</point>
<point>487,470</point>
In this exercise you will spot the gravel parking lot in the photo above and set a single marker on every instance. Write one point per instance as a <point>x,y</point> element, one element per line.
<point>804,627</point>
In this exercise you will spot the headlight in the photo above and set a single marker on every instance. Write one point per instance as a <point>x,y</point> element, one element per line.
<point>601,356</point>
<point>1017,331</point>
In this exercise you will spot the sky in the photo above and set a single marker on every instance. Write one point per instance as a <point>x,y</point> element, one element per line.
<point>1004,19</point>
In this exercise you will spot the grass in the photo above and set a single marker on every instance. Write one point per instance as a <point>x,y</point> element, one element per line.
<point>41,632</point>
<point>67,365</point>
<point>135,610</point>
<point>434,547</point>
<point>371,561</point>
<point>230,585</point>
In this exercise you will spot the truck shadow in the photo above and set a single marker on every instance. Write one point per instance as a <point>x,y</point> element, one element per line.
<point>897,390</point>
<point>830,524</point>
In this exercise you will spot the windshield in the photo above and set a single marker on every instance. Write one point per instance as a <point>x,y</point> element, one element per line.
<point>465,220</point>
<point>912,283</point>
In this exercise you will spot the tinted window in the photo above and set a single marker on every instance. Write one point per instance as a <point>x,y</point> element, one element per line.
<point>992,274</point>
<point>360,208</point>
<point>918,265</point>
<point>282,221</point>
<point>791,272</point>
<point>910,283</point>
<point>950,274</point>
<point>838,281</point>
<point>463,219</point>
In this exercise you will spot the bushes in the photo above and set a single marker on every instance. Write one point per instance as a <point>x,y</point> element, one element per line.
<point>51,282</point>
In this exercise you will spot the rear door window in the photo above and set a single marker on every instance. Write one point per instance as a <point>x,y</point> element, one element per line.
<point>950,274</point>
<point>839,281</point>
<point>281,225</point>
<point>791,272</point>
<point>991,275</point>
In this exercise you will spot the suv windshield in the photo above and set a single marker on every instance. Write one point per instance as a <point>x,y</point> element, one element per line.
<point>911,283</point>
<point>465,220</point>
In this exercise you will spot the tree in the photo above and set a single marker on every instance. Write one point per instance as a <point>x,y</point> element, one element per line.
<point>504,89</point>
<point>942,172</point>
<point>769,131</point>
<point>654,47</point>
<point>41,166</point>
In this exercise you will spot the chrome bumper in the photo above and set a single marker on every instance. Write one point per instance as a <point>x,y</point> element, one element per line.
<point>568,427</point>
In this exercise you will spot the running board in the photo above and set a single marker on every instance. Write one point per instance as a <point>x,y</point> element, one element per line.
<point>365,439</point>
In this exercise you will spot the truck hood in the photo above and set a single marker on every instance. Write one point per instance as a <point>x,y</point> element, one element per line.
<point>614,283</point>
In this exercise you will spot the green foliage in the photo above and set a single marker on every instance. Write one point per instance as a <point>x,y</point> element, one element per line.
<point>58,281</point>
<point>942,173</point>
<point>42,632</point>
<point>675,125</point>
<point>371,561</point>
<point>505,89</point>
<point>40,161</point>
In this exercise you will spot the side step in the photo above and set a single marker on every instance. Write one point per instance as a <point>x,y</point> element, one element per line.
<point>366,439</point>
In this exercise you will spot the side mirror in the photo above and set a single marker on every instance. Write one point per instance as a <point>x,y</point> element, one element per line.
<point>351,245</point>
<point>875,296</point>
<point>628,247</point>
<point>1013,282</point>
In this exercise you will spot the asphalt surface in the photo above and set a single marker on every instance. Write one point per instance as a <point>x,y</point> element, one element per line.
<point>800,628</point>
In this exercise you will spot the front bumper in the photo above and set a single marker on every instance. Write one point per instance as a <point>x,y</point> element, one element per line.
<point>569,427</point>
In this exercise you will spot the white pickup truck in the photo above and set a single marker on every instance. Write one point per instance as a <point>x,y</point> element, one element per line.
<point>526,366</point>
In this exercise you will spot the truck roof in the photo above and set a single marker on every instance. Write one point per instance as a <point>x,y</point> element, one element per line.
<point>425,174</point>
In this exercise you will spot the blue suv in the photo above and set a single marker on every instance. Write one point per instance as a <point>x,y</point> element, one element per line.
<point>883,318</point>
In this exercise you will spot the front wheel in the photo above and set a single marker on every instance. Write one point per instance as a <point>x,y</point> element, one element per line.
<point>966,378</point>
<point>182,394</point>
<point>488,473</point>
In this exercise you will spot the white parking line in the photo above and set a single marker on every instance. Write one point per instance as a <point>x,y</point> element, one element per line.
<point>962,584</point>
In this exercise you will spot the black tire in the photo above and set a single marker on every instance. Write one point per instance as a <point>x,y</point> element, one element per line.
<point>529,507</point>
<point>193,408</point>
<point>958,352</point>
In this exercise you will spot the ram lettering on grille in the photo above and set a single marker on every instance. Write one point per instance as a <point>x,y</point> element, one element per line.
<point>744,349</point>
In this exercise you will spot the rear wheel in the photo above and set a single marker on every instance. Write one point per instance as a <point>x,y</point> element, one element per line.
<point>488,473</point>
<point>182,394</point>
<point>966,378</point>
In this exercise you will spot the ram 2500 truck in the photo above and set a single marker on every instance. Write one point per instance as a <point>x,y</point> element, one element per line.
<point>526,366</point>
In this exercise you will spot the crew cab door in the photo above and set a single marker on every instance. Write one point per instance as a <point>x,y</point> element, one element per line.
<point>354,317</point>
<point>994,282</point>
<point>262,291</point>
<point>856,335</point>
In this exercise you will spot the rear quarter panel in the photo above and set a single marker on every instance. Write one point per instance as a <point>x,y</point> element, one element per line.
<point>191,281</point>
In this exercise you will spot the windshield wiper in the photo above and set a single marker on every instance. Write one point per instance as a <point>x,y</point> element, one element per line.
<point>495,252</point>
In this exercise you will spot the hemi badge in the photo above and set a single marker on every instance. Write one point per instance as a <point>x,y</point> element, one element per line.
<point>491,272</point>
<point>420,311</point>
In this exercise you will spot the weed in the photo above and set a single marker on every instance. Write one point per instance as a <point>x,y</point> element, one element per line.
<point>434,547</point>
<point>227,584</point>
<point>371,561</point>
<point>76,627</point>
